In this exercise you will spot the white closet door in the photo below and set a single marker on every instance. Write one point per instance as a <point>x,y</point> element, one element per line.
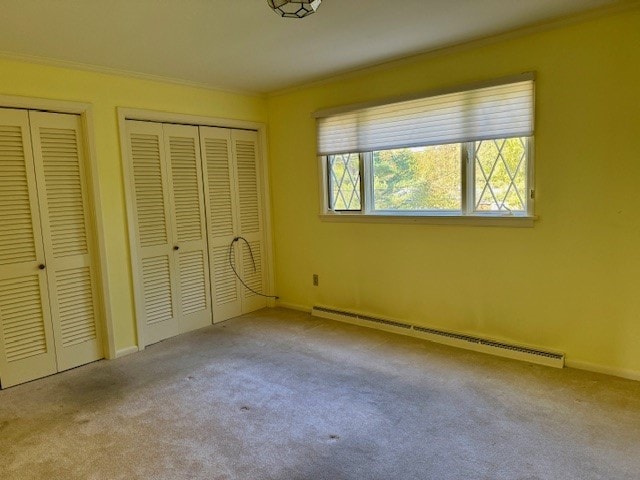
<point>189,236</point>
<point>71,273</point>
<point>26,337</point>
<point>250,217</point>
<point>156,288</point>
<point>221,205</point>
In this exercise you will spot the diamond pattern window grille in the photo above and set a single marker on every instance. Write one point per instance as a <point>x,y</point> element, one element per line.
<point>501,175</point>
<point>344,181</point>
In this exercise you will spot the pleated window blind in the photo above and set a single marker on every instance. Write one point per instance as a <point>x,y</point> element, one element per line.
<point>500,110</point>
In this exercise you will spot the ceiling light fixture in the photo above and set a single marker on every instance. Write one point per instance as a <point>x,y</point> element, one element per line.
<point>294,8</point>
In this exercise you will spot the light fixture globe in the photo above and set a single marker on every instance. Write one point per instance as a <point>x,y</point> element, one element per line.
<point>294,8</point>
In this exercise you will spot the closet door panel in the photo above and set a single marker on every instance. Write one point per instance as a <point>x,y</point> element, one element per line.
<point>156,287</point>
<point>27,351</point>
<point>245,148</point>
<point>226,292</point>
<point>252,274</point>
<point>221,208</point>
<point>190,238</point>
<point>26,336</point>
<point>249,198</point>
<point>60,173</point>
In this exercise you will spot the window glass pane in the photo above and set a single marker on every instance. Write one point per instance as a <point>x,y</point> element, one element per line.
<point>425,178</point>
<point>344,182</point>
<point>501,175</point>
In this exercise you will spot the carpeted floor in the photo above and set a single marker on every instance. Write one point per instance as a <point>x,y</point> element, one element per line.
<point>280,395</point>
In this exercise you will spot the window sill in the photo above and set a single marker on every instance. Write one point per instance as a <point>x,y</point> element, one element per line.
<point>470,220</point>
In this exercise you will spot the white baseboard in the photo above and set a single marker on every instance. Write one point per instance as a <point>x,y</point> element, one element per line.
<point>616,372</point>
<point>577,364</point>
<point>499,348</point>
<point>293,306</point>
<point>123,352</point>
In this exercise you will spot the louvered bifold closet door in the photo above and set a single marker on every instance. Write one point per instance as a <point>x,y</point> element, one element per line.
<point>66,227</point>
<point>250,217</point>
<point>154,268</point>
<point>188,219</point>
<point>26,336</point>
<point>221,208</point>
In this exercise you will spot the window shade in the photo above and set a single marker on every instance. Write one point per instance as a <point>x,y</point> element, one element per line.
<point>497,111</point>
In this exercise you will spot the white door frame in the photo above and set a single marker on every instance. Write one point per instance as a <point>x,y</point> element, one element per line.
<point>85,111</point>
<point>125,114</point>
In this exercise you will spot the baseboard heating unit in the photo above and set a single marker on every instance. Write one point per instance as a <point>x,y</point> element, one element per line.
<point>460,340</point>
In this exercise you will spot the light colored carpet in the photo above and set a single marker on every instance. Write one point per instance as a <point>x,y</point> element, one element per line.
<point>280,395</point>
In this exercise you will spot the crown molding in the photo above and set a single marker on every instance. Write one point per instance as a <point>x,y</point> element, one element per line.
<point>456,47</point>
<point>66,64</point>
<point>616,8</point>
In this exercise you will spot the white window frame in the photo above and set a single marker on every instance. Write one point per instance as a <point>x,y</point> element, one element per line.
<point>466,216</point>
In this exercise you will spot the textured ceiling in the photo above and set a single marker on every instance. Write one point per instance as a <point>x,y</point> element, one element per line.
<point>243,45</point>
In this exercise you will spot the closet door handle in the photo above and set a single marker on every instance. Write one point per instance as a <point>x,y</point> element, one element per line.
<point>42,266</point>
<point>176,247</point>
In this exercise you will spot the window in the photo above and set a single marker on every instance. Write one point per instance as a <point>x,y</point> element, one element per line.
<point>344,182</point>
<point>465,153</point>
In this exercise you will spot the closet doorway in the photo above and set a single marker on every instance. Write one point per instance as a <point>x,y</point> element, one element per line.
<point>51,297</point>
<point>199,230</point>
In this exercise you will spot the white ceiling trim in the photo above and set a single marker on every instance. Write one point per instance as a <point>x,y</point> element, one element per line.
<point>409,58</point>
<point>51,62</point>
<point>532,29</point>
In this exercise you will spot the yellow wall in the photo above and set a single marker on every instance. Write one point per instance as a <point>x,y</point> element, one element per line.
<point>570,283</point>
<point>106,92</point>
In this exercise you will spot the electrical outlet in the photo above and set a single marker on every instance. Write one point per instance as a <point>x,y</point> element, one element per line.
<point>315,279</point>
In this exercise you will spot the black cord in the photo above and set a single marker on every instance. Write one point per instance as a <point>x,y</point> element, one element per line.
<point>254,267</point>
